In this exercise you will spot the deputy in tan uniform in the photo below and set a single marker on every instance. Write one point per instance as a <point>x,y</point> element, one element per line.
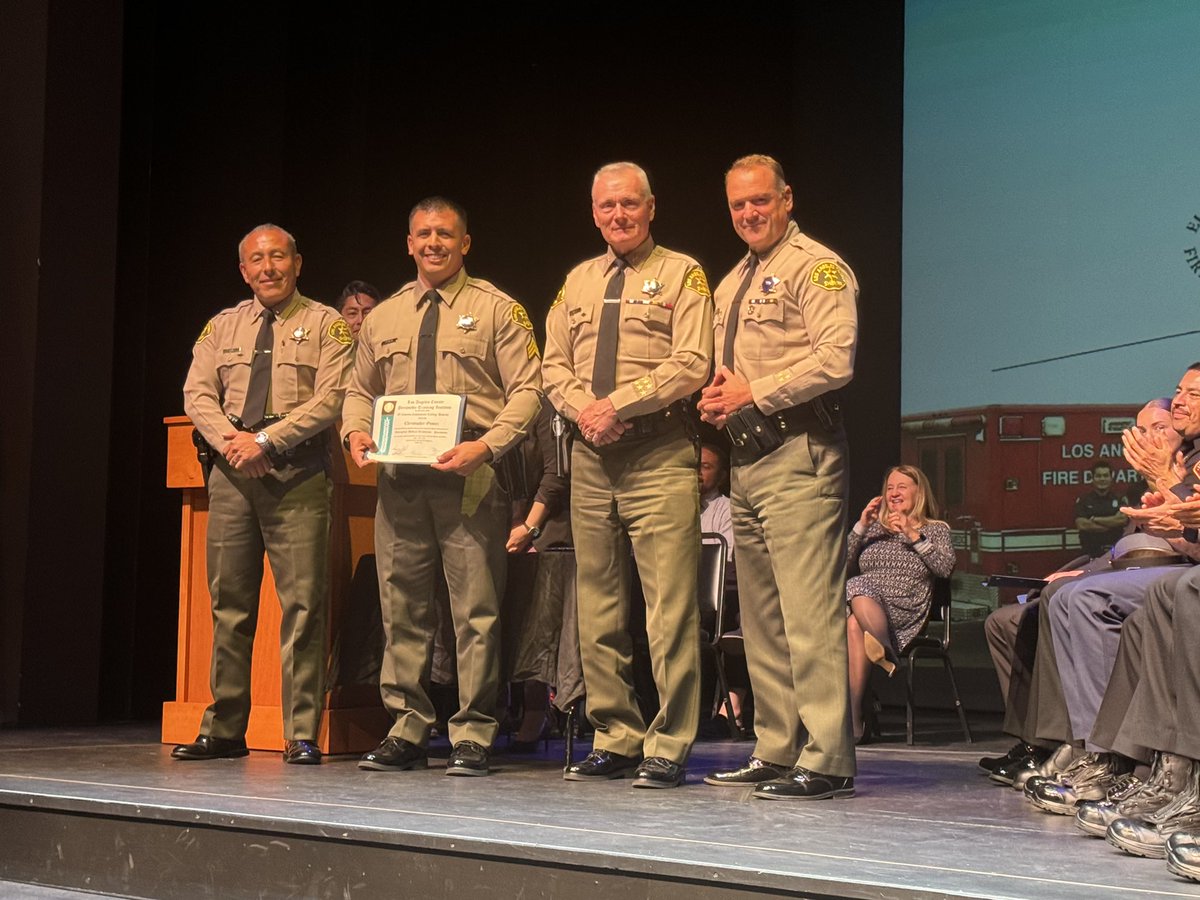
<point>267,379</point>
<point>627,341</point>
<point>443,333</point>
<point>786,328</point>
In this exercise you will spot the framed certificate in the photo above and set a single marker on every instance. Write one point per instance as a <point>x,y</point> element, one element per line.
<point>415,429</point>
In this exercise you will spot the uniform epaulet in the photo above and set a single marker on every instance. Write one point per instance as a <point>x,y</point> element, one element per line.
<point>211,324</point>
<point>482,284</point>
<point>405,288</point>
<point>660,250</point>
<point>603,257</point>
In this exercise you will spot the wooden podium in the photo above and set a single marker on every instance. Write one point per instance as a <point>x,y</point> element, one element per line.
<point>354,719</point>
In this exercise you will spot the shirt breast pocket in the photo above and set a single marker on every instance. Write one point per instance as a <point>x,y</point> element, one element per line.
<point>579,317</point>
<point>465,364</point>
<point>295,373</point>
<point>762,331</point>
<point>396,361</point>
<point>233,369</point>
<point>645,331</point>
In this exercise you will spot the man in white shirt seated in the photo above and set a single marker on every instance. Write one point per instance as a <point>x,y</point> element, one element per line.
<point>714,505</point>
<point>715,519</point>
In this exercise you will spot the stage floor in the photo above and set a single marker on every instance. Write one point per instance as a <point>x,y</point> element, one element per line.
<point>925,823</point>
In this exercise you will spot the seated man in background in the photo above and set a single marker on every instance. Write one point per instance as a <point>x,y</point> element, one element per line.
<point>356,300</point>
<point>715,519</point>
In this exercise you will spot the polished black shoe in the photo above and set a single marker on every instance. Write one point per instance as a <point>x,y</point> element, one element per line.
<point>601,765</point>
<point>1021,769</point>
<point>302,753</point>
<point>1018,750</point>
<point>1061,758</point>
<point>658,772</point>
<point>755,771</point>
<point>395,755</point>
<point>468,758</point>
<point>205,747</point>
<point>802,784</point>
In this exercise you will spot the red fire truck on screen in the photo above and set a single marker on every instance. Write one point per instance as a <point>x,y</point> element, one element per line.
<point>1008,477</point>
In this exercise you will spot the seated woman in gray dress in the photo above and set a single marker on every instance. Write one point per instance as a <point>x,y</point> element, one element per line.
<point>897,548</point>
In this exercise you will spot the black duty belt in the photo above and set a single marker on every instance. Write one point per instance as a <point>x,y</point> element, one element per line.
<point>314,446</point>
<point>754,434</point>
<point>673,418</point>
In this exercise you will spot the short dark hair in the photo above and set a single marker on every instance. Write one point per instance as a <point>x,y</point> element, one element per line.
<point>357,287</point>
<point>720,452</point>
<point>1102,464</point>
<point>760,159</point>
<point>438,204</point>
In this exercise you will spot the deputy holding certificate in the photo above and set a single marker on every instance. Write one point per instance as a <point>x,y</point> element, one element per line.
<point>445,333</point>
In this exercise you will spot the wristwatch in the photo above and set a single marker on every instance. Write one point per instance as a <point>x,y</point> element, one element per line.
<point>264,442</point>
<point>534,531</point>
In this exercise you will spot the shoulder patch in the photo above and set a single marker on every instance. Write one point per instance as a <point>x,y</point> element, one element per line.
<point>340,331</point>
<point>560,296</point>
<point>521,317</point>
<point>828,275</point>
<point>696,281</point>
<point>208,329</point>
<point>531,348</point>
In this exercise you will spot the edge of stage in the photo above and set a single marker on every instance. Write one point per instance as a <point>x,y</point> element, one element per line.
<point>105,809</point>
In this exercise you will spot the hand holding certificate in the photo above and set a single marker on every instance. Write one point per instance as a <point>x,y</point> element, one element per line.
<point>416,429</point>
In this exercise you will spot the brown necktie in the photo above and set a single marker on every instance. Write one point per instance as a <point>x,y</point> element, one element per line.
<point>427,345</point>
<point>604,368</point>
<point>259,387</point>
<point>735,309</point>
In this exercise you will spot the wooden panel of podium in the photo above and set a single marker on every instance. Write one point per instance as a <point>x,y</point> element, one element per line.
<point>354,719</point>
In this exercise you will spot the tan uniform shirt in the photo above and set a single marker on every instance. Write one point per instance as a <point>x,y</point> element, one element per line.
<point>664,345</point>
<point>798,323</point>
<point>486,350</point>
<point>310,369</point>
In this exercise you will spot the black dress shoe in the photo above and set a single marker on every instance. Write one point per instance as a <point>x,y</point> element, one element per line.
<point>755,771</point>
<point>468,758</point>
<point>601,765</point>
<point>395,755</point>
<point>803,784</point>
<point>1019,768</point>
<point>205,747</point>
<point>658,772</point>
<point>1015,752</point>
<point>302,753</point>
